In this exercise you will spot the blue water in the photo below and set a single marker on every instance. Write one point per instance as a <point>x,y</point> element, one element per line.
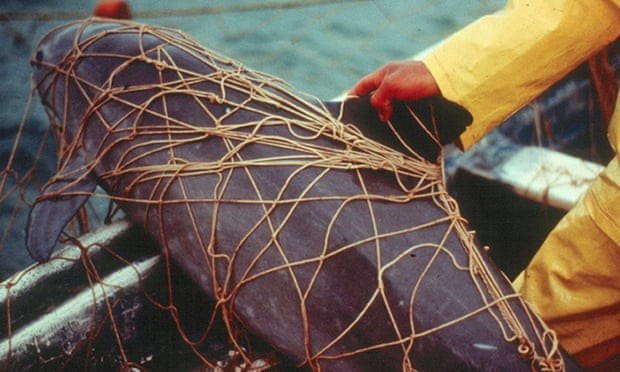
<point>319,49</point>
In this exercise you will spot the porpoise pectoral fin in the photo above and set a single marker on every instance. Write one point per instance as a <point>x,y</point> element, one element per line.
<point>54,208</point>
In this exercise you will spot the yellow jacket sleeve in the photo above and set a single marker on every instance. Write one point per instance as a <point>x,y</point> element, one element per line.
<point>499,63</point>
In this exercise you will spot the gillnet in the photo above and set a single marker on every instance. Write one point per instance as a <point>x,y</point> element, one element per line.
<point>315,235</point>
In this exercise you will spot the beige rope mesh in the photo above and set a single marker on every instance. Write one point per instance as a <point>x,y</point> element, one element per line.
<point>304,122</point>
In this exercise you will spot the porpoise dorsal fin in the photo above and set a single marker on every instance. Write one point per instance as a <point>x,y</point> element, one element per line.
<point>445,119</point>
<point>60,200</point>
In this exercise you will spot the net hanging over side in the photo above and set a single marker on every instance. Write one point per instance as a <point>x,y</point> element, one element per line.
<point>339,246</point>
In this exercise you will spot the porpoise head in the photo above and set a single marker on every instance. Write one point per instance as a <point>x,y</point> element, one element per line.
<point>62,52</point>
<point>67,191</point>
<point>75,67</point>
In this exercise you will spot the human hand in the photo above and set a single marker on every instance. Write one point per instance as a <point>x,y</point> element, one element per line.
<point>398,80</point>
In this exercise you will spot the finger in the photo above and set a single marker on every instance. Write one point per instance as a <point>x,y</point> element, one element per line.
<point>366,85</point>
<point>385,112</point>
<point>382,104</point>
<point>380,97</point>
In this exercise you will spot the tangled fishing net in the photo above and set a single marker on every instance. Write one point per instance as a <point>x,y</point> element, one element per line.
<point>233,173</point>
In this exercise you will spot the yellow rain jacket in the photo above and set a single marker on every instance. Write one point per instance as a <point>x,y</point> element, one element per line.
<point>495,66</point>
